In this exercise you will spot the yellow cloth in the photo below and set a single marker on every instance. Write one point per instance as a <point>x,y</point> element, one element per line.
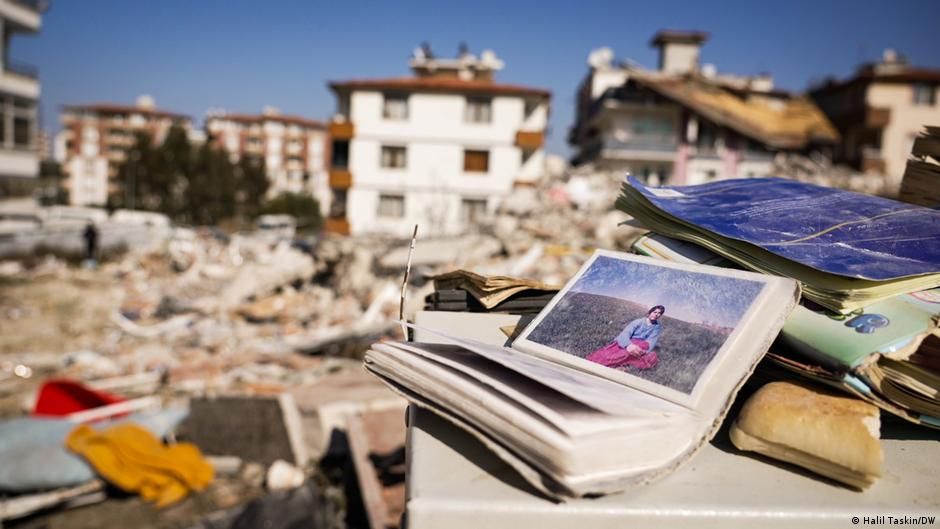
<point>133,459</point>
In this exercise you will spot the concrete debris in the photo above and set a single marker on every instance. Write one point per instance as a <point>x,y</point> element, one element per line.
<point>820,171</point>
<point>25,505</point>
<point>284,476</point>
<point>225,465</point>
<point>235,325</point>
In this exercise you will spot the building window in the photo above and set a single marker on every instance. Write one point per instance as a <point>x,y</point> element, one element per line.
<point>476,161</point>
<point>338,204</point>
<point>530,107</point>
<point>707,142</point>
<point>477,110</point>
<point>391,206</point>
<point>924,94</point>
<point>526,154</point>
<point>393,157</point>
<point>340,156</point>
<point>472,210</point>
<point>23,121</point>
<point>395,106</point>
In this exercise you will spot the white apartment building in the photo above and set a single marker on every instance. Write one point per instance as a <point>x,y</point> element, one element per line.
<point>97,138</point>
<point>293,149</point>
<point>439,149</point>
<point>686,124</point>
<point>19,95</point>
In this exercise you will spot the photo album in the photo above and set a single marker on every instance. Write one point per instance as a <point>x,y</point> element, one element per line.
<point>620,379</point>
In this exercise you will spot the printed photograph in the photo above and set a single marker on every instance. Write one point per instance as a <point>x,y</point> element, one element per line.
<point>661,324</point>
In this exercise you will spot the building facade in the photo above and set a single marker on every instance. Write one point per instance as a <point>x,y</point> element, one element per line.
<point>97,138</point>
<point>685,123</point>
<point>293,149</point>
<point>879,111</point>
<point>19,97</point>
<point>439,149</point>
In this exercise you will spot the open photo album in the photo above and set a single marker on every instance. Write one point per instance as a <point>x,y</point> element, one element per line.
<point>618,381</point>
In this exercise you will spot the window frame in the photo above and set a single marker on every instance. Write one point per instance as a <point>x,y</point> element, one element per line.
<point>467,168</point>
<point>924,89</point>
<point>472,110</point>
<point>392,97</point>
<point>469,213</point>
<point>393,151</point>
<point>387,198</point>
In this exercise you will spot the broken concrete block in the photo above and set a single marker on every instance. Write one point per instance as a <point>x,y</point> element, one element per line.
<point>283,475</point>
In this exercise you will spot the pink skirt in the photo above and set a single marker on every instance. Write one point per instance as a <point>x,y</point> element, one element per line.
<point>612,355</point>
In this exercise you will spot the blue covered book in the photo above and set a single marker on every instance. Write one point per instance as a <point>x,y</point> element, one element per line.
<point>847,249</point>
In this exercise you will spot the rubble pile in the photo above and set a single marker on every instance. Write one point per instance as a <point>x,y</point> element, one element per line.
<point>820,170</point>
<point>206,315</point>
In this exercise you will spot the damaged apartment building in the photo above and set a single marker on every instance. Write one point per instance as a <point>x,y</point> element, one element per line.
<point>439,148</point>
<point>97,138</point>
<point>19,97</point>
<point>879,112</point>
<point>686,124</point>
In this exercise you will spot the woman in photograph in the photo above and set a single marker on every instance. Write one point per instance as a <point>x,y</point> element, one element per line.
<point>634,345</point>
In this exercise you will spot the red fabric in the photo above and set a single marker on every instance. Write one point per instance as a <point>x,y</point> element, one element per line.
<point>612,355</point>
<point>59,397</point>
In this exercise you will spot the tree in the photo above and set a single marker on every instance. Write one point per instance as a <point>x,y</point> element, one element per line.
<point>211,190</point>
<point>51,179</point>
<point>251,180</point>
<point>304,208</point>
<point>191,185</point>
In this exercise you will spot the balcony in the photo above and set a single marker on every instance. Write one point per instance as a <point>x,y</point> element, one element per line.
<point>342,130</point>
<point>652,149</point>
<point>40,6</point>
<point>20,79</point>
<point>23,15</point>
<point>19,163</point>
<point>340,178</point>
<point>529,140</point>
<point>337,225</point>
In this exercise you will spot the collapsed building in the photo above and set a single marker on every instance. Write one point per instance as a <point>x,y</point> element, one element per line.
<point>688,124</point>
<point>879,111</point>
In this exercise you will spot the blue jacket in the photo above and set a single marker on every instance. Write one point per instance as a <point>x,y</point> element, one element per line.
<point>640,328</point>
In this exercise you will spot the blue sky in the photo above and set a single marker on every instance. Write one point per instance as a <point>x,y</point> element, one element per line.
<point>192,55</point>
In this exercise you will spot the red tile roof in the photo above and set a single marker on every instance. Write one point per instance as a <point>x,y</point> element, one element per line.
<point>114,108</point>
<point>439,84</point>
<point>281,118</point>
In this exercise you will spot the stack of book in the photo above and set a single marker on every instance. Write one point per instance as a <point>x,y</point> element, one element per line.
<point>885,351</point>
<point>460,300</point>
<point>462,290</point>
<point>625,375</point>
<point>633,365</point>
<point>921,182</point>
<point>846,249</point>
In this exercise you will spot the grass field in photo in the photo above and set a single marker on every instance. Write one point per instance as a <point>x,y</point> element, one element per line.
<point>581,323</point>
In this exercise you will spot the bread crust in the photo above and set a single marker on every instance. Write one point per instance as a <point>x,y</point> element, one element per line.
<point>832,435</point>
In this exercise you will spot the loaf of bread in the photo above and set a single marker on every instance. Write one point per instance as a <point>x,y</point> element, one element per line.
<point>835,436</point>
